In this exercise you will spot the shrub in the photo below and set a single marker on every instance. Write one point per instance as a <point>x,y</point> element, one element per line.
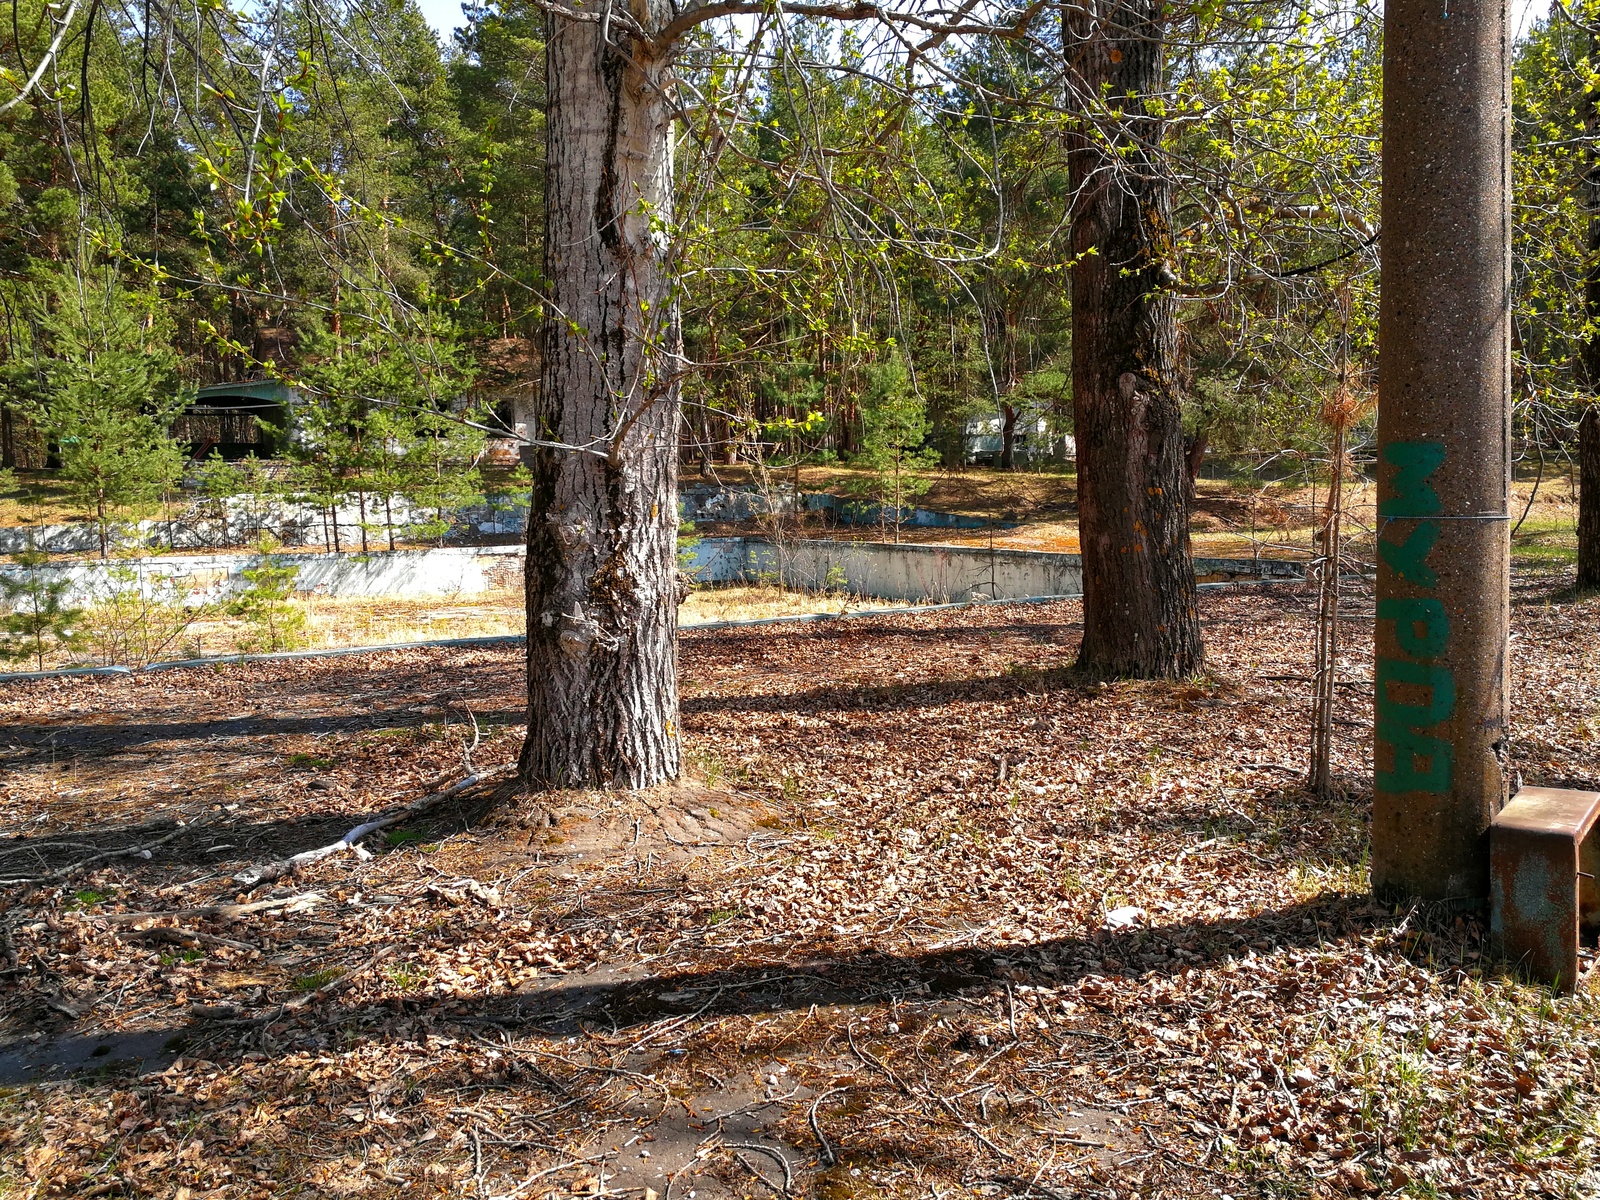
<point>273,621</point>
<point>35,618</point>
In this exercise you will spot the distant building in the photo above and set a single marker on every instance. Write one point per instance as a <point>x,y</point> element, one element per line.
<point>1032,441</point>
<point>237,420</point>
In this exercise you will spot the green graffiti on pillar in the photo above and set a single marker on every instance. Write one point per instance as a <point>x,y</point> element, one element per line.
<point>1421,626</point>
<point>1411,495</point>
<point>1407,559</point>
<point>1409,747</point>
<point>1439,683</point>
<point>1422,761</point>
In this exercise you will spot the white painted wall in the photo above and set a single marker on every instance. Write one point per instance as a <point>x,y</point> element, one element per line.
<point>200,578</point>
<point>917,573</point>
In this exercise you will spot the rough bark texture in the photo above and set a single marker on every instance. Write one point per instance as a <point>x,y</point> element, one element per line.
<point>1133,513</point>
<point>1589,498</point>
<point>1441,755</point>
<point>602,564</point>
<point>1589,424</point>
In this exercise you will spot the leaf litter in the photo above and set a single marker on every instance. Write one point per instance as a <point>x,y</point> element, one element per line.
<point>931,914</point>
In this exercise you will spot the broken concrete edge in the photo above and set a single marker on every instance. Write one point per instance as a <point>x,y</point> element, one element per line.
<point>20,676</point>
<point>517,639</point>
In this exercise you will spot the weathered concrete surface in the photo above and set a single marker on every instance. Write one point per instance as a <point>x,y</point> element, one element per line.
<point>243,520</point>
<point>1444,386</point>
<point>919,573</point>
<point>199,578</point>
<point>932,574</point>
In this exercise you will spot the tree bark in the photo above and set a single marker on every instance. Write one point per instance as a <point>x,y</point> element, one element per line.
<point>1008,437</point>
<point>1589,423</point>
<point>1194,456</point>
<point>1589,498</point>
<point>1133,518</point>
<point>602,564</point>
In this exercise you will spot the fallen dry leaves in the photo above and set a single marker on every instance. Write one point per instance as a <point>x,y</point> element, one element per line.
<point>936,917</point>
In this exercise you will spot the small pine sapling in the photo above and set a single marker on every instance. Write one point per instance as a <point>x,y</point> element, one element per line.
<point>36,619</point>
<point>895,427</point>
<point>273,623</point>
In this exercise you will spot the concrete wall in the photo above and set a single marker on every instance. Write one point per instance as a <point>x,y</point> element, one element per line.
<point>241,521</point>
<point>918,573</point>
<point>923,573</point>
<point>200,578</point>
<point>931,574</point>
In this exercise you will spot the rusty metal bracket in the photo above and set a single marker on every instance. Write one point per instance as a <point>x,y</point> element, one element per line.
<point>1543,896</point>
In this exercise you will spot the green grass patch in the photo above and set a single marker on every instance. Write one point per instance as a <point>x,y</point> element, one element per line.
<point>396,838</point>
<point>310,761</point>
<point>87,897</point>
<point>405,978</point>
<point>317,979</point>
<point>1548,542</point>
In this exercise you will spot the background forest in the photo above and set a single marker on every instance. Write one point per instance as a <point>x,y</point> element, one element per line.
<point>871,254</point>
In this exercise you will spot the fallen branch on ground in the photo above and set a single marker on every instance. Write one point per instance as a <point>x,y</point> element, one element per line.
<point>299,902</point>
<point>788,1174</point>
<point>143,851</point>
<point>178,936</point>
<point>254,877</point>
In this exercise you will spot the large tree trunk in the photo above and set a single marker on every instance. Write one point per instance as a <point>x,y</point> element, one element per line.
<point>1589,424</point>
<point>602,563</point>
<point>1589,498</point>
<point>1008,437</point>
<point>1139,614</point>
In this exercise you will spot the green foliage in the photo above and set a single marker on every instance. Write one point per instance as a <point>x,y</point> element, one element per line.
<point>386,420</point>
<point>35,622</point>
<point>136,619</point>
<point>273,622</point>
<point>109,394</point>
<point>688,543</point>
<point>221,483</point>
<point>895,429</point>
<point>363,216</point>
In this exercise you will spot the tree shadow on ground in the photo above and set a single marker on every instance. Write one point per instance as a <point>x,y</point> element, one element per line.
<point>104,739</point>
<point>910,695</point>
<point>219,842</point>
<point>588,1002</point>
<point>881,625</point>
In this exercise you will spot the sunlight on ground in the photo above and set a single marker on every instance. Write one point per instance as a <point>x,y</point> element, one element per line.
<point>337,623</point>
<point>754,603</point>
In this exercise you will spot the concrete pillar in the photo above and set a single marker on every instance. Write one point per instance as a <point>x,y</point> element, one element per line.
<point>1444,386</point>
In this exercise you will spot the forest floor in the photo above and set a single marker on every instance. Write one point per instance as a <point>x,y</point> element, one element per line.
<point>931,915</point>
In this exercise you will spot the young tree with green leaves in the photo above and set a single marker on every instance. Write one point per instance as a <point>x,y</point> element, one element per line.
<point>894,432</point>
<point>35,620</point>
<point>111,394</point>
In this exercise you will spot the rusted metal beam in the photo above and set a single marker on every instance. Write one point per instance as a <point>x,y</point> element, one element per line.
<point>1444,387</point>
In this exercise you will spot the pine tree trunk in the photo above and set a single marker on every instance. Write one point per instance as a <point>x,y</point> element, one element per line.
<point>1589,498</point>
<point>1008,437</point>
<point>602,588</point>
<point>1133,519</point>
